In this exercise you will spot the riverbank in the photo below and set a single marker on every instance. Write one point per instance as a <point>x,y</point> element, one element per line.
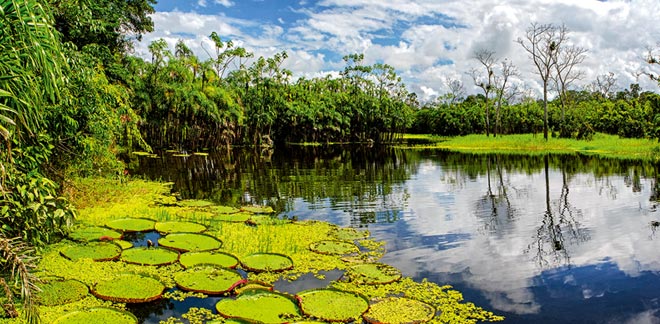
<point>602,145</point>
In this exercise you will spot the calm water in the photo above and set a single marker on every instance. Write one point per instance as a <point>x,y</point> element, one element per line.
<point>546,239</point>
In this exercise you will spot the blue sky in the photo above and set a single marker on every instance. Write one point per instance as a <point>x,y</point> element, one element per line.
<point>428,42</point>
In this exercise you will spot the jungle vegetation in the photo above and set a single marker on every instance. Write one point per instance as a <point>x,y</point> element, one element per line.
<point>73,101</point>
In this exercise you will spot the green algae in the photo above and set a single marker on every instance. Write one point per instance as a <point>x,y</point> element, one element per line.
<point>260,305</point>
<point>150,256</point>
<point>235,217</point>
<point>179,227</point>
<point>97,315</point>
<point>208,280</point>
<point>60,292</point>
<point>259,262</point>
<point>94,233</point>
<point>333,305</point>
<point>222,259</point>
<point>333,247</point>
<point>97,251</point>
<point>185,242</point>
<point>397,310</point>
<point>373,273</point>
<point>129,288</point>
<point>132,224</point>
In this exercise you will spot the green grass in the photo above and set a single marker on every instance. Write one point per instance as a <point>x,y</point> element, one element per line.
<point>602,145</point>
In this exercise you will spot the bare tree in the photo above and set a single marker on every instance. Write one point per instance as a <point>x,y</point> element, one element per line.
<point>505,90</point>
<point>456,90</point>
<point>604,84</point>
<point>487,59</point>
<point>541,43</point>
<point>566,59</point>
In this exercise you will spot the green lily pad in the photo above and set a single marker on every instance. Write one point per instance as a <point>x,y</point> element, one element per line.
<point>208,280</point>
<point>129,288</point>
<point>399,310</point>
<point>97,315</point>
<point>132,224</point>
<point>195,203</point>
<point>258,209</point>
<point>94,233</point>
<point>259,262</point>
<point>224,209</point>
<point>97,251</point>
<point>259,305</point>
<point>179,227</point>
<point>123,244</point>
<point>190,242</point>
<point>332,305</point>
<point>150,256</point>
<point>236,217</point>
<point>334,247</point>
<point>60,292</point>
<point>253,284</point>
<point>350,234</point>
<point>267,220</point>
<point>222,259</point>
<point>373,273</point>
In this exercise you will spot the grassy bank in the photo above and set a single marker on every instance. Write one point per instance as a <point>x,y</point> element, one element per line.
<point>601,144</point>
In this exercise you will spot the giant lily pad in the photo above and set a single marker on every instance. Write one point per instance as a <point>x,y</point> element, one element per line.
<point>132,224</point>
<point>350,234</point>
<point>97,251</point>
<point>259,262</point>
<point>332,305</point>
<point>208,280</point>
<point>129,288</point>
<point>190,242</point>
<point>60,292</point>
<point>179,227</point>
<point>224,209</point>
<point>94,233</point>
<point>149,256</point>
<point>235,217</point>
<point>258,209</point>
<point>333,247</point>
<point>97,315</point>
<point>373,273</point>
<point>399,310</point>
<point>222,259</point>
<point>259,305</point>
<point>196,203</point>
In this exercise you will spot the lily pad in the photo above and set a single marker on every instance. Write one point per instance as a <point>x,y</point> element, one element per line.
<point>224,209</point>
<point>208,280</point>
<point>195,203</point>
<point>350,234</point>
<point>123,244</point>
<point>258,209</point>
<point>332,305</point>
<point>190,242</point>
<point>222,259</point>
<point>267,220</point>
<point>94,233</point>
<point>236,217</point>
<point>254,284</point>
<point>399,310</point>
<point>97,315</point>
<point>259,262</point>
<point>60,292</point>
<point>179,227</point>
<point>97,251</point>
<point>129,288</point>
<point>149,256</point>
<point>259,305</point>
<point>132,224</point>
<point>373,273</point>
<point>333,247</point>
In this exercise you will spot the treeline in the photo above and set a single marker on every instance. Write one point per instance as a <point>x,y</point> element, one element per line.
<point>626,113</point>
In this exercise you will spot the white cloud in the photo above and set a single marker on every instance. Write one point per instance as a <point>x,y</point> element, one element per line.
<point>226,3</point>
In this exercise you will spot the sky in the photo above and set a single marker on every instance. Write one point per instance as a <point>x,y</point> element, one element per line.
<point>428,42</point>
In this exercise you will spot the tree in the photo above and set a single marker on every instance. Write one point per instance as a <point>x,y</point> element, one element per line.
<point>504,88</point>
<point>566,59</point>
<point>487,59</point>
<point>604,84</point>
<point>541,43</point>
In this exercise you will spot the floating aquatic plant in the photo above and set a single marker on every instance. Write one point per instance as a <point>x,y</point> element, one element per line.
<point>332,305</point>
<point>94,233</point>
<point>132,224</point>
<point>97,251</point>
<point>238,217</point>
<point>179,227</point>
<point>222,259</point>
<point>190,242</point>
<point>123,244</point>
<point>260,305</point>
<point>60,292</point>
<point>208,280</point>
<point>334,247</point>
<point>253,284</point>
<point>259,262</point>
<point>151,256</point>
<point>224,209</point>
<point>129,288</point>
<point>373,273</point>
<point>196,203</point>
<point>398,310</point>
<point>97,315</point>
<point>258,209</point>
<point>349,234</point>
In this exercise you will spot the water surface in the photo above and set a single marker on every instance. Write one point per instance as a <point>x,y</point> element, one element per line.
<point>544,239</point>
